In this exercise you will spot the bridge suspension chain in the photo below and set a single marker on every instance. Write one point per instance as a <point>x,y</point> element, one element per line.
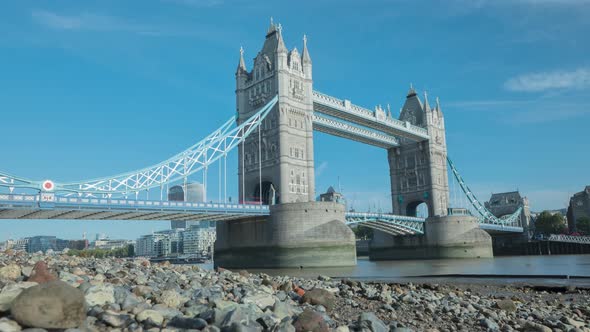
<point>485,215</point>
<point>198,157</point>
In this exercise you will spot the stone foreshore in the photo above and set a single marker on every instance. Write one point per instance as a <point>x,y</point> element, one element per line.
<point>65,293</point>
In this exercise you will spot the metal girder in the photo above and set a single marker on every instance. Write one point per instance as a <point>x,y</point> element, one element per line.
<point>344,109</point>
<point>400,225</point>
<point>569,238</point>
<point>180,166</point>
<point>350,131</point>
<point>486,217</point>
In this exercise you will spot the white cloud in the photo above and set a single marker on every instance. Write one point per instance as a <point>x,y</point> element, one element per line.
<point>89,22</point>
<point>321,168</point>
<point>542,81</point>
<point>197,3</point>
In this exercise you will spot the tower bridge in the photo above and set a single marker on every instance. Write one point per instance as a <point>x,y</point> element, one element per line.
<point>277,221</point>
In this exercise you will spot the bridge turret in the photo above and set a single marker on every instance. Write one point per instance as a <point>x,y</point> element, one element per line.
<point>281,163</point>
<point>306,59</point>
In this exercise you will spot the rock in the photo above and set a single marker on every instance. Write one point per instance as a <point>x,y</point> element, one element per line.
<point>282,310</point>
<point>369,322</point>
<point>286,326</point>
<point>310,321</point>
<point>170,298</point>
<point>10,292</point>
<point>490,324</point>
<point>26,271</point>
<point>317,296</point>
<point>506,305</point>
<point>10,272</point>
<point>187,323</point>
<point>7,325</point>
<point>152,315</point>
<point>115,319</point>
<point>51,305</point>
<point>130,302</point>
<point>342,328</point>
<point>40,274</point>
<point>535,327</point>
<point>263,301</point>
<point>100,295</point>
<point>572,322</point>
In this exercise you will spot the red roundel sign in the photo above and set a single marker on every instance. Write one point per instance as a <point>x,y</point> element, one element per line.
<point>48,185</point>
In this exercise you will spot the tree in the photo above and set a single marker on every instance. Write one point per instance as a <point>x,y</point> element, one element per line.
<point>583,225</point>
<point>548,223</point>
<point>363,233</point>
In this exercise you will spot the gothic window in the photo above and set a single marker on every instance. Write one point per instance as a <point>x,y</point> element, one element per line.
<point>296,153</point>
<point>298,180</point>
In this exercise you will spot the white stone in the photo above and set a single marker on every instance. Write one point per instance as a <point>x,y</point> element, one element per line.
<point>100,295</point>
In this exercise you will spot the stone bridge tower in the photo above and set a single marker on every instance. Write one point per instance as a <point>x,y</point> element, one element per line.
<point>285,155</point>
<point>418,170</point>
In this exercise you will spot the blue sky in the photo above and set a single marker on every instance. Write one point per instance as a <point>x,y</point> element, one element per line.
<point>93,88</point>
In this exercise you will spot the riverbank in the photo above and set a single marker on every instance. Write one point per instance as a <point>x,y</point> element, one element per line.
<point>137,295</point>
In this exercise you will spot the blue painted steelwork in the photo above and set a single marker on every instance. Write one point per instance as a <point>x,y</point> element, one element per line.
<point>195,158</point>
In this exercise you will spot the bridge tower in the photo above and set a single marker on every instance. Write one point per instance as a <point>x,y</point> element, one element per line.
<point>418,170</point>
<point>277,165</point>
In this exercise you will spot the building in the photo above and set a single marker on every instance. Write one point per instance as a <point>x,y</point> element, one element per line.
<point>505,204</point>
<point>332,196</point>
<point>103,242</point>
<point>579,207</point>
<point>21,244</point>
<point>170,244</point>
<point>195,193</point>
<point>198,241</point>
<point>147,245</point>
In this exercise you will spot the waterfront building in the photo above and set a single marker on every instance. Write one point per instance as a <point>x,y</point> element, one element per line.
<point>21,244</point>
<point>195,193</point>
<point>147,245</point>
<point>579,207</point>
<point>198,240</point>
<point>110,244</point>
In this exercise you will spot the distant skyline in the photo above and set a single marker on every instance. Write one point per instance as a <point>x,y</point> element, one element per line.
<point>95,88</point>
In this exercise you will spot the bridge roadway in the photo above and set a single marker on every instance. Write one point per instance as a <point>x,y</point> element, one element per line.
<point>50,206</point>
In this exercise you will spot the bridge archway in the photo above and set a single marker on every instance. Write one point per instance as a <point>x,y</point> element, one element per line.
<point>417,209</point>
<point>267,193</point>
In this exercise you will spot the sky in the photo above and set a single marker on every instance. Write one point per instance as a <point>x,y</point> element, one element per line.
<point>94,88</point>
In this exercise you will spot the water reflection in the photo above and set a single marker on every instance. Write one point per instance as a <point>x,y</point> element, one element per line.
<point>521,266</point>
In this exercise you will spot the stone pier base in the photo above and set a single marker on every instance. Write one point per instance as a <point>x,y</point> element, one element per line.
<point>310,234</point>
<point>445,237</point>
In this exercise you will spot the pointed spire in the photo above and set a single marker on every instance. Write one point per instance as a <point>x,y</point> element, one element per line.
<point>306,58</point>
<point>438,105</point>
<point>242,63</point>
<point>272,27</point>
<point>426,104</point>
<point>412,92</point>
<point>388,111</point>
<point>281,45</point>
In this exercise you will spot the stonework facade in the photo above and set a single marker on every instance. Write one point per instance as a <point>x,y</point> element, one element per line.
<point>505,204</point>
<point>282,150</point>
<point>418,170</point>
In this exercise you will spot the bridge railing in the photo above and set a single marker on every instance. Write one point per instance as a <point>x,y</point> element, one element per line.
<point>569,238</point>
<point>30,200</point>
<point>362,112</point>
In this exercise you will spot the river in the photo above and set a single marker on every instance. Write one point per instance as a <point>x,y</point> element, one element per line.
<point>550,270</point>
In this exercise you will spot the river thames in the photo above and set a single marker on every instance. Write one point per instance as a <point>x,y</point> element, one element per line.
<point>551,270</point>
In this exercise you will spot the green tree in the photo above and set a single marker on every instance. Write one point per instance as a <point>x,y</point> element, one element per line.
<point>547,223</point>
<point>583,225</point>
<point>363,233</point>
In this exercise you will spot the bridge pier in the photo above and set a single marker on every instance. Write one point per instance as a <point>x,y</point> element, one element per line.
<point>308,234</point>
<point>445,237</point>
